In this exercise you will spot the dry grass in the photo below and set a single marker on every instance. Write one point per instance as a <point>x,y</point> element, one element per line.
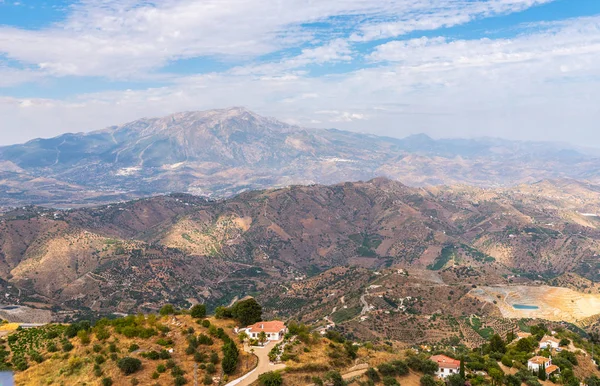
<point>56,369</point>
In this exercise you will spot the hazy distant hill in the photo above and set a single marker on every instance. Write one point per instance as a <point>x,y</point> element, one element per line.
<point>224,152</point>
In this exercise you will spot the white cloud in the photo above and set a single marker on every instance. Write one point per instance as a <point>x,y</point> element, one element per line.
<point>539,85</point>
<point>129,38</point>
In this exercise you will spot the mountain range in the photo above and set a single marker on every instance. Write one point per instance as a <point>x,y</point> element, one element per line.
<point>137,255</point>
<point>220,153</point>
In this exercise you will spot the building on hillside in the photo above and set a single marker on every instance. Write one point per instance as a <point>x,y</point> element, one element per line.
<point>447,365</point>
<point>552,369</point>
<point>549,342</point>
<point>275,330</point>
<point>534,363</point>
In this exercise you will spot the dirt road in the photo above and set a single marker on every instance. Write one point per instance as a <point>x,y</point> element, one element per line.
<point>264,365</point>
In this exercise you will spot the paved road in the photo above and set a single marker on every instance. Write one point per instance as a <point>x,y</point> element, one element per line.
<point>264,365</point>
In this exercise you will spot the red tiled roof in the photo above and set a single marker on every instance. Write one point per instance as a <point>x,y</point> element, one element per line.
<point>538,360</point>
<point>446,362</point>
<point>552,368</point>
<point>270,327</point>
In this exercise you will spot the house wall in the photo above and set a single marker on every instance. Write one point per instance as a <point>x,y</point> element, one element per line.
<point>444,372</point>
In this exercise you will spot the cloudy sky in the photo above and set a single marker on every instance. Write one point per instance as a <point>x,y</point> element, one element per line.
<point>522,69</point>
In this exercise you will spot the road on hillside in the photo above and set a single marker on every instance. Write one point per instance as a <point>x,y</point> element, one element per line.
<point>264,365</point>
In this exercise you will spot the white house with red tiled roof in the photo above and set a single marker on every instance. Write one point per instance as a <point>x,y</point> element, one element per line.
<point>536,362</point>
<point>447,365</point>
<point>549,342</point>
<point>275,330</point>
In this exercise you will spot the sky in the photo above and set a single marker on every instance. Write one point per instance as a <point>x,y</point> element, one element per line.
<point>517,69</point>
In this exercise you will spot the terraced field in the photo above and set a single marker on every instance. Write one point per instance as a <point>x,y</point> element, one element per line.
<point>553,303</point>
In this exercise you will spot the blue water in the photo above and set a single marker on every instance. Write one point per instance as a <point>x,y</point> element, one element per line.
<point>524,307</point>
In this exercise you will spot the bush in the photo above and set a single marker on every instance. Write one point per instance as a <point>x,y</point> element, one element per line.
<point>129,365</point>
<point>372,374</point>
<point>133,347</point>
<point>390,381</point>
<point>210,368</point>
<point>205,340</point>
<point>270,379</point>
<point>167,309</point>
<point>107,381</point>
<point>208,380</point>
<point>428,380</point>
<point>198,311</point>
<point>161,368</point>
<point>67,346</point>
<point>179,380</point>
<point>206,323</point>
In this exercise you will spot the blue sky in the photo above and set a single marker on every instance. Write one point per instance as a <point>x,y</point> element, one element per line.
<point>521,69</point>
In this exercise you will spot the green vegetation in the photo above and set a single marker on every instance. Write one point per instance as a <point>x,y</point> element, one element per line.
<point>367,244</point>
<point>247,312</point>
<point>447,254</point>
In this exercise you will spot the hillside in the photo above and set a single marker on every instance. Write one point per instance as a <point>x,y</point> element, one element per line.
<point>182,249</point>
<point>221,153</point>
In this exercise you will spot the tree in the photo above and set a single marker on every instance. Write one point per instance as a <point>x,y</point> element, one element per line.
<point>512,380</point>
<point>247,311</point>
<point>564,342</point>
<point>372,374</point>
<point>270,379</point>
<point>230,357</point>
<point>462,367</point>
<point>497,344</point>
<point>542,372</point>
<point>390,381</point>
<point>497,376</point>
<point>456,380</point>
<point>198,311</point>
<point>428,380</point>
<point>242,336</point>
<point>262,338</point>
<point>167,309</point>
<point>335,378</point>
<point>129,365</point>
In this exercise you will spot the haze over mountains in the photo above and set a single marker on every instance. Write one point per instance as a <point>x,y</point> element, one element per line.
<point>220,153</point>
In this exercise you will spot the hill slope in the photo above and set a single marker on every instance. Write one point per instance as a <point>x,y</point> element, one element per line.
<point>184,249</point>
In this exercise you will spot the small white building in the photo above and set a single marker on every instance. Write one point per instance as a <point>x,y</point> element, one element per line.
<point>536,362</point>
<point>549,342</point>
<point>447,366</point>
<point>274,330</point>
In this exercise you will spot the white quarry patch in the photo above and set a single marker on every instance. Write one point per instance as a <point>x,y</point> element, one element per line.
<point>589,214</point>
<point>128,171</point>
<point>173,166</point>
<point>339,160</point>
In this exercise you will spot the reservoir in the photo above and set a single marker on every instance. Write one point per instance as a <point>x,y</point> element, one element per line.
<point>524,307</point>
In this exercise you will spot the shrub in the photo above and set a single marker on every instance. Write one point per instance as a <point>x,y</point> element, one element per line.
<point>133,347</point>
<point>167,309</point>
<point>372,374</point>
<point>179,380</point>
<point>210,368</point>
<point>206,323</point>
<point>67,346</point>
<point>100,359</point>
<point>198,311</point>
<point>129,365</point>
<point>205,340</point>
<point>155,375</point>
<point>428,380</point>
<point>390,381</point>
<point>207,380</point>
<point>107,381</point>
<point>97,348</point>
<point>161,368</point>
<point>270,379</point>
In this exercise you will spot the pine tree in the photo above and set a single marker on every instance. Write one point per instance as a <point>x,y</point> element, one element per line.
<point>462,366</point>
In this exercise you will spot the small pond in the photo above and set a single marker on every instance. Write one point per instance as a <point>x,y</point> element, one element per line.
<point>524,307</point>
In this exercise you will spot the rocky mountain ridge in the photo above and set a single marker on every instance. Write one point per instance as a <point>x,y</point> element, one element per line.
<point>221,153</point>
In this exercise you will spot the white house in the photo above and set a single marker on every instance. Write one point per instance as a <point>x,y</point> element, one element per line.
<point>534,363</point>
<point>447,365</point>
<point>549,342</point>
<point>275,330</point>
